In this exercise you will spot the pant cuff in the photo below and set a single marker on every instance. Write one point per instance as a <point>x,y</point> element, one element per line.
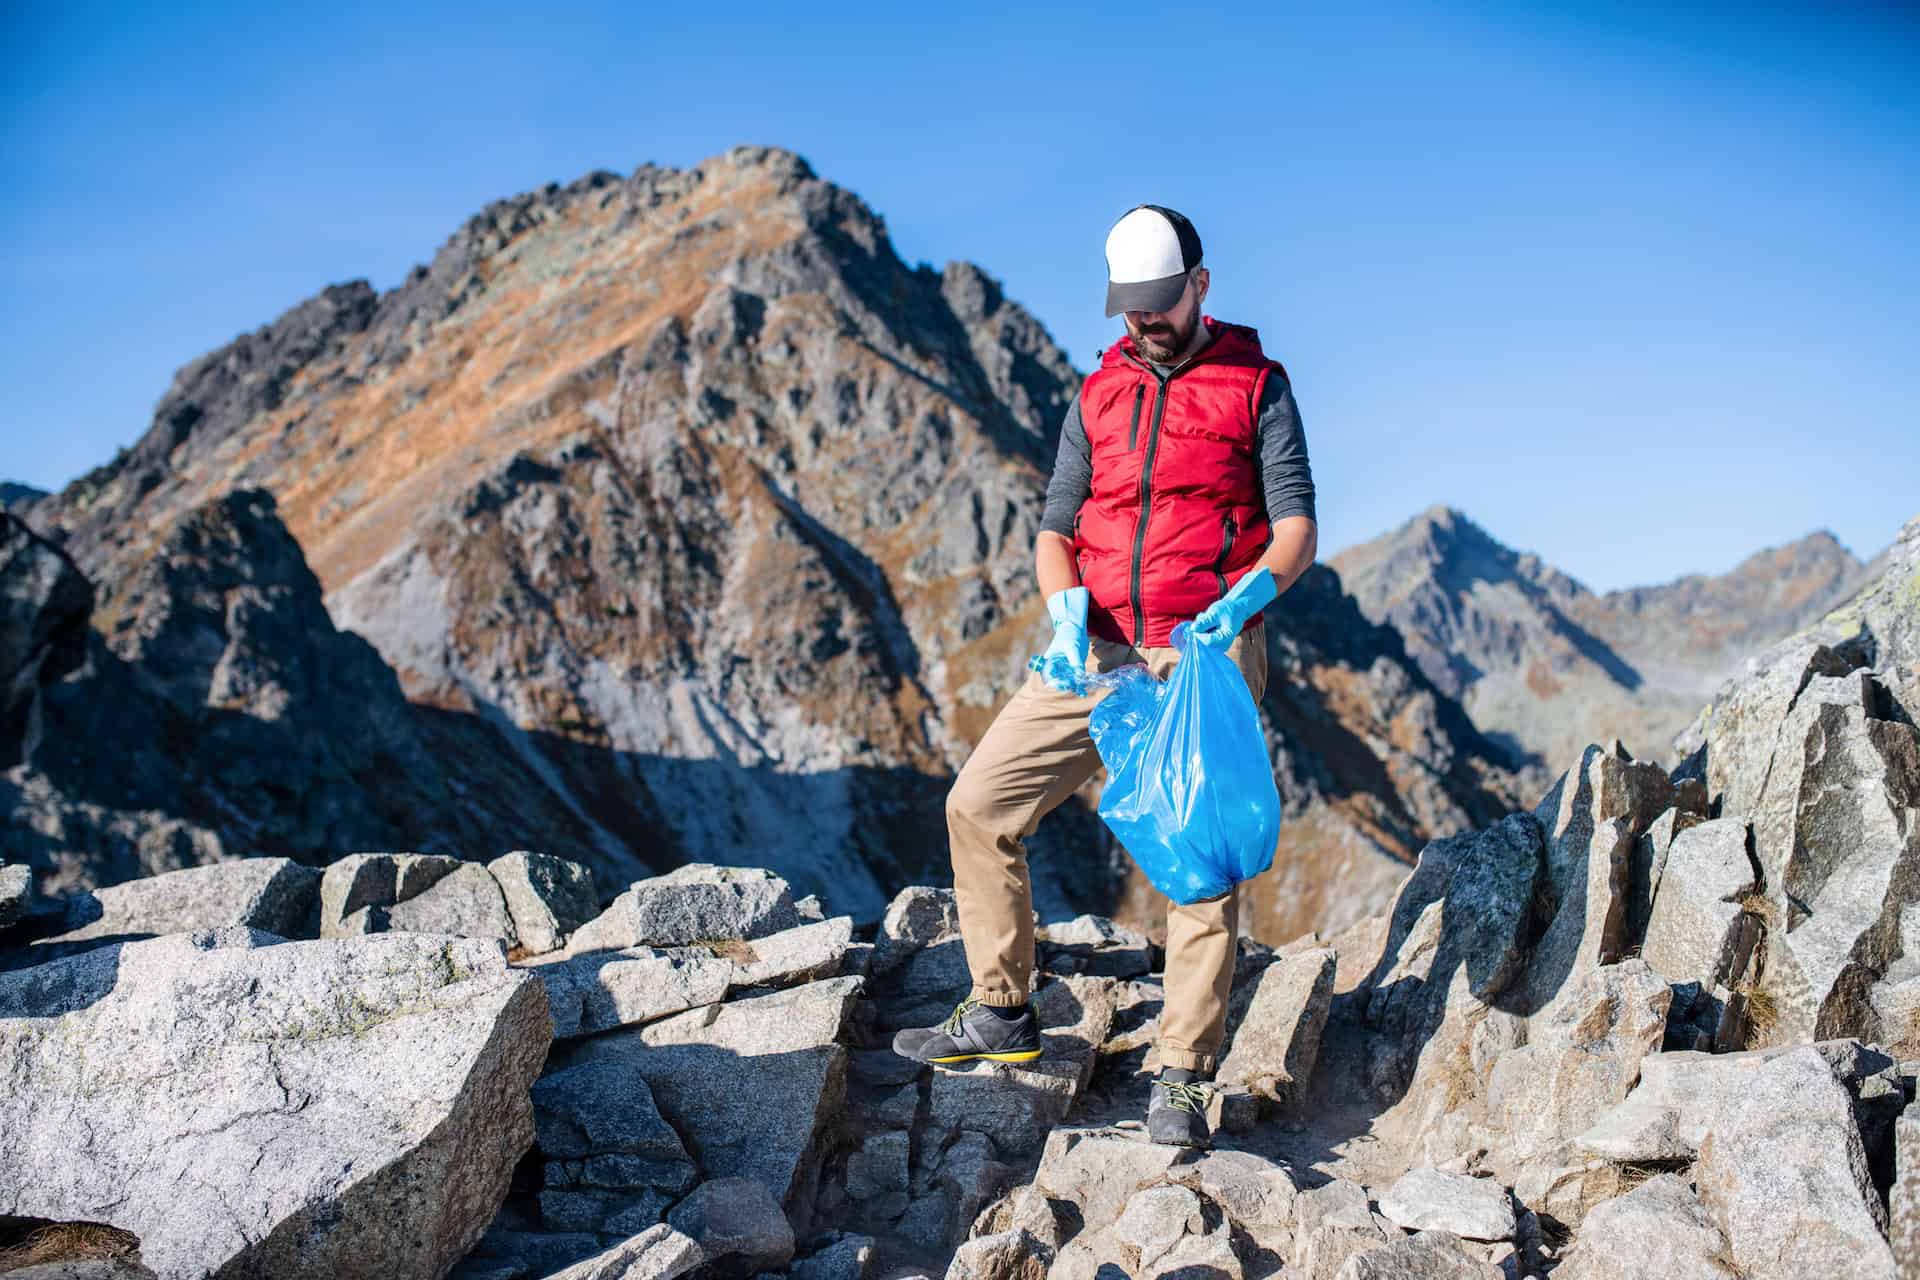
<point>1000,999</point>
<point>1187,1060</point>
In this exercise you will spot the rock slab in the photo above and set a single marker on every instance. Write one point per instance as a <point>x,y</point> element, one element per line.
<point>1431,1255</point>
<point>1473,1208</point>
<point>271,1110</point>
<point>695,903</point>
<point>658,1253</point>
<point>1098,1170</point>
<point>1903,1202</point>
<point>604,990</point>
<point>1698,930</point>
<point>275,895</point>
<point>749,1085</point>
<point>411,892</point>
<point>1277,1043</point>
<point>736,1220</point>
<point>1657,1231</point>
<point>1786,1177</point>
<point>547,897</point>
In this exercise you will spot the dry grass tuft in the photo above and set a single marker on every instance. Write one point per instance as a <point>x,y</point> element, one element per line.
<point>732,949</point>
<point>1634,1174</point>
<point>1763,1015</point>
<point>1908,1043</point>
<point>1461,1084</point>
<point>65,1241</point>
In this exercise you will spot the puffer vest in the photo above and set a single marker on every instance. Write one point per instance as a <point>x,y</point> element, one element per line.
<point>1176,514</point>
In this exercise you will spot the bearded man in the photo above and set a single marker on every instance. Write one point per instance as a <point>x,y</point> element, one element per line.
<point>1181,492</point>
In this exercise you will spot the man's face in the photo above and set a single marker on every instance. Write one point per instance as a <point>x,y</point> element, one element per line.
<point>1163,335</point>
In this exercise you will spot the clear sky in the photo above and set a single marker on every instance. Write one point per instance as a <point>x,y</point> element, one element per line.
<point>1638,291</point>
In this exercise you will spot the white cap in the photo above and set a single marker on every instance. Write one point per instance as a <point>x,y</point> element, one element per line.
<point>1149,253</point>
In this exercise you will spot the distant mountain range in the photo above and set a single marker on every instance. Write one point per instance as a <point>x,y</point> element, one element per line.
<point>12,494</point>
<point>1546,666</point>
<point>661,518</point>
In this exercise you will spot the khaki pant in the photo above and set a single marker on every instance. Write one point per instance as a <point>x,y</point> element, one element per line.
<point>1035,755</point>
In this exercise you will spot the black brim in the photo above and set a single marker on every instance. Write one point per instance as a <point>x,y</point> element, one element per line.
<point>1146,295</point>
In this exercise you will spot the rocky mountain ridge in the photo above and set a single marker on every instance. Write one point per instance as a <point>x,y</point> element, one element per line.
<point>1657,1025</point>
<point>1544,665</point>
<point>694,526</point>
<point>221,715</point>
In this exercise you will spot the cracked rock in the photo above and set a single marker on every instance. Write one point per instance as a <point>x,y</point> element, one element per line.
<point>1427,1199</point>
<point>344,1085</point>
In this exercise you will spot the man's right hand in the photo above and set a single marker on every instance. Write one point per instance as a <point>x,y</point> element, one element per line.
<point>1064,665</point>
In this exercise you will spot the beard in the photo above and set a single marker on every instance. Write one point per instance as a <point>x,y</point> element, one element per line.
<point>1162,343</point>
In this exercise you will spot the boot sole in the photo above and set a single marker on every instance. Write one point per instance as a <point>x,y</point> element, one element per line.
<point>1189,1143</point>
<point>1020,1055</point>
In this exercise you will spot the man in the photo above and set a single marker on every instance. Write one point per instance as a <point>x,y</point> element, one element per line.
<point>1181,491</point>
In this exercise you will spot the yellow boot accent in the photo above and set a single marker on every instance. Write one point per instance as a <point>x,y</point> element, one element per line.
<point>1013,1055</point>
<point>1020,1055</point>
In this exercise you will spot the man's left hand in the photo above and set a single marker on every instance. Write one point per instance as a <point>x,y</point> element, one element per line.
<point>1222,620</point>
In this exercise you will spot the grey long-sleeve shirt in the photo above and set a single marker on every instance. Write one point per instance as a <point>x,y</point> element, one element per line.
<point>1279,442</point>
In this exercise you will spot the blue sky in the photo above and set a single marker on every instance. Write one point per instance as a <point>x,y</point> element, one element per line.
<point>1637,291</point>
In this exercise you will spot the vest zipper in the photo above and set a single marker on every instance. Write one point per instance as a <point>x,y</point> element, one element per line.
<point>1146,478</point>
<point>1146,506</point>
<point>1231,527</point>
<point>1133,428</point>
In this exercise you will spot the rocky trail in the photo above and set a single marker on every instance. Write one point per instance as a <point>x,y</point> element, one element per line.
<point>1662,1024</point>
<point>514,867</point>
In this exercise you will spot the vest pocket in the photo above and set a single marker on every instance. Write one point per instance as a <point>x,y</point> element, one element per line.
<point>1229,527</point>
<point>1133,428</point>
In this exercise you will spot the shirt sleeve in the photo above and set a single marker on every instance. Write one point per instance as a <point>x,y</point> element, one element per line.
<point>1285,472</point>
<point>1072,478</point>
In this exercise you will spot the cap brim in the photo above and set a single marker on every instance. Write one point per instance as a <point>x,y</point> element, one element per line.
<point>1146,295</point>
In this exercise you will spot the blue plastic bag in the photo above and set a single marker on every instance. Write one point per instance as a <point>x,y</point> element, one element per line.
<point>1190,791</point>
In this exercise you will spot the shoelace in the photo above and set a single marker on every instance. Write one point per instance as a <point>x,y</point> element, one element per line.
<point>1186,1097</point>
<point>952,1025</point>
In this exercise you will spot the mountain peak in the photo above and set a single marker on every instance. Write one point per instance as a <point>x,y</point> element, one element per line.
<point>1449,530</point>
<point>565,286</point>
<point>1542,660</point>
<point>1824,537</point>
<point>1818,546</point>
<point>776,160</point>
<point>1442,516</point>
<point>1443,544</point>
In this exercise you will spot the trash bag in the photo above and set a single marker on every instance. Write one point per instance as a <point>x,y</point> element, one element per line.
<point>1190,791</point>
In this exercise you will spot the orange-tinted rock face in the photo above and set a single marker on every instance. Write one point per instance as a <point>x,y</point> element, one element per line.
<point>681,507</point>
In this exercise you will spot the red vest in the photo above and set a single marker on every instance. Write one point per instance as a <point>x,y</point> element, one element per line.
<point>1176,514</point>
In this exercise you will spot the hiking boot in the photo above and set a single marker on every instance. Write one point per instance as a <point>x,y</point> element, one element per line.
<point>972,1032</point>
<point>1177,1109</point>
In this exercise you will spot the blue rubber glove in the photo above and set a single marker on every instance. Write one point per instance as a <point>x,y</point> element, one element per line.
<point>1064,665</point>
<point>1221,621</point>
